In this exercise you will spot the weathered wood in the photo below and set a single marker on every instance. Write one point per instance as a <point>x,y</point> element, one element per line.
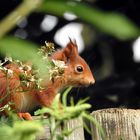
<point>119,124</point>
<point>78,133</point>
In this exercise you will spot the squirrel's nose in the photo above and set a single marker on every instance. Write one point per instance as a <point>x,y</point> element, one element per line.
<point>92,81</point>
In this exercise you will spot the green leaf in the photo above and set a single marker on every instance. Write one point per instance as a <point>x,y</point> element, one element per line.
<point>87,128</point>
<point>59,137</point>
<point>94,121</point>
<point>111,23</point>
<point>20,130</point>
<point>64,97</point>
<point>82,101</point>
<point>23,50</point>
<point>18,48</point>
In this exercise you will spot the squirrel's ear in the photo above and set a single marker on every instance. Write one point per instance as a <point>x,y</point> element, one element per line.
<point>58,55</point>
<point>71,50</point>
<point>68,53</point>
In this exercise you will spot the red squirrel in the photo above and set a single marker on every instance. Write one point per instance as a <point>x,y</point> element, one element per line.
<point>76,73</point>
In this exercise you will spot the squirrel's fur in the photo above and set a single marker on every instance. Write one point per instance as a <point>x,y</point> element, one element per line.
<point>76,73</point>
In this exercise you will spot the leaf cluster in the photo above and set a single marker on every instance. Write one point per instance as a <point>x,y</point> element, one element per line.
<point>14,129</point>
<point>60,114</point>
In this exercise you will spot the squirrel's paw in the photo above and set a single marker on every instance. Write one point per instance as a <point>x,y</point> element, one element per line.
<point>25,116</point>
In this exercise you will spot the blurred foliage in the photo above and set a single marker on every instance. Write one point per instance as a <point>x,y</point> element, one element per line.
<point>23,10</point>
<point>25,51</point>
<point>14,129</point>
<point>67,113</point>
<point>11,44</point>
<point>110,23</point>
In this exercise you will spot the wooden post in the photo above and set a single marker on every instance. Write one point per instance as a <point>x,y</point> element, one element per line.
<point>118,124</point>
<point>78,133</point>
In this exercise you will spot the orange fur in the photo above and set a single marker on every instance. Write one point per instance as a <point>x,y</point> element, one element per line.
<point>26,101</point>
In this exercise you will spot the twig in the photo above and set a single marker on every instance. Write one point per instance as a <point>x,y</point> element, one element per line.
<point>22,11</point>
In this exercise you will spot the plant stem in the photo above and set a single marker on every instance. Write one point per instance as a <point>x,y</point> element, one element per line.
<point>53,136</point>
<point>22,11</point>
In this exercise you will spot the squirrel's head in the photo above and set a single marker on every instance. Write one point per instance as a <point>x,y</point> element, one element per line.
<point>77,72</point>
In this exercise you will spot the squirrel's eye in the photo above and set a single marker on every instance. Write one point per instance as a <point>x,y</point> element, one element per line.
<point>79,69</point>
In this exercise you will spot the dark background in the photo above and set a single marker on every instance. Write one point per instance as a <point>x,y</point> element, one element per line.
<point>120,86</point>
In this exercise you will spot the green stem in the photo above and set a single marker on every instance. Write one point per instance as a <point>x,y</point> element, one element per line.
<point>53,125</point>
<point>22,11</point>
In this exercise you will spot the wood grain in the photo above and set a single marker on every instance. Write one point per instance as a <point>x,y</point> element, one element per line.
<point>118,124</point>
<point>77,134</point>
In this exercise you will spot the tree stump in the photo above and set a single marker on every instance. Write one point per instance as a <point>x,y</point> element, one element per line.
<point>118,124</point>
<point>77,134</point>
